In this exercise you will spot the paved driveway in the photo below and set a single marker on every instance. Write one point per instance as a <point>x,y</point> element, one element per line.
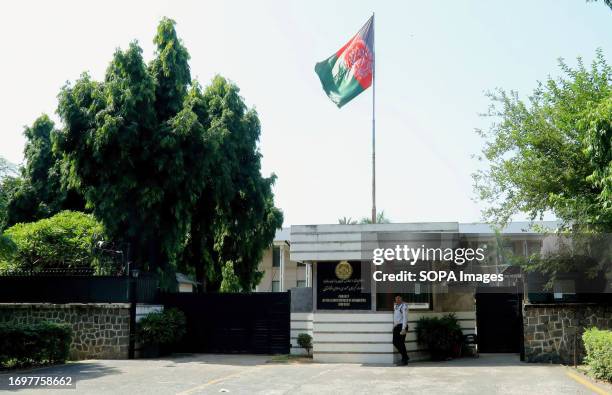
<point>235,374</point>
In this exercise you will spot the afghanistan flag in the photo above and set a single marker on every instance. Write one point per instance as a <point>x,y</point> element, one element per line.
<point>348,72</point>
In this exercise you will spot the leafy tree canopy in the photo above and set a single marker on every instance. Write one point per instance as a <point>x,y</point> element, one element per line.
<point>167,167</point>
<point>7,168</point>
<point>136,148</point>
<point>552,152</point>
<point>235,218</point>
<point>38,191</point>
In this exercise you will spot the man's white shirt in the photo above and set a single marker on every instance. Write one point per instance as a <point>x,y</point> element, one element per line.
<point>400,315</point>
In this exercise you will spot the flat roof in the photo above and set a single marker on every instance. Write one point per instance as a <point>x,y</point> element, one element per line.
<point>327,242</point>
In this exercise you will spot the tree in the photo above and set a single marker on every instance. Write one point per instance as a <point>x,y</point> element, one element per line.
<point>380,219</point>
<point>598,126</point>
<point>133,144</point>
<point>551,153</point>
<point>235,218</point>
<point>8,186</point>
<point>346,221</point>
<point>168,168</point>
<point>64,240</point>
<point>606,2</point>
<point>7,169</point>
<point>230,282</point>
<point>38,193</point>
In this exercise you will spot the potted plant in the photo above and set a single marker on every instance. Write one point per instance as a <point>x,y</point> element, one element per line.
<point>157,332</point>
<point>441,335</point>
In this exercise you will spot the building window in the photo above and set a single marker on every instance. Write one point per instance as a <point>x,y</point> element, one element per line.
<point>276,256</point>
<point>534,248</point>
<point>276,286</point>
<point>301,264</point>
<point>419,297</point>
<point>301,283</point>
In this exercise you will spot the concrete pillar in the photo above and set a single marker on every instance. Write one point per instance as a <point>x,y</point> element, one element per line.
<point>308,274</point>
<point>282,268</point>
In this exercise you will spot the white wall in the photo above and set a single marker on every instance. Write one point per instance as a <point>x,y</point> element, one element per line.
<point>300,323</point>
<point>364,337</point>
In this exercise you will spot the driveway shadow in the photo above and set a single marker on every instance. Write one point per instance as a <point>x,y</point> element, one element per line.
<point>488,360</point>
<point>215,359</point>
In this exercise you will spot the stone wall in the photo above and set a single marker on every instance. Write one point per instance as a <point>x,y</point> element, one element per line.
<point>99,330</point>
<point>550,329</point>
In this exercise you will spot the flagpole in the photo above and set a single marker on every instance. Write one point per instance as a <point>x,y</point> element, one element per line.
<point>373,123</point>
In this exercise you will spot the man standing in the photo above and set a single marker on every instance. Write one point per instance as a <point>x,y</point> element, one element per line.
<point>400,325</point>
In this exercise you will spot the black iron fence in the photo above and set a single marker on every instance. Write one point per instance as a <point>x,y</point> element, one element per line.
<point>58,287</point>
<point>255,323</point>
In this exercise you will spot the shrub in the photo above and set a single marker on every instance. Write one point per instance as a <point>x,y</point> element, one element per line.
<point>34,344</point>
<point>304,340</point>
<point>598,346</point>
<point>442,335</point>
<point>162,328</point>
<point>62,241</point>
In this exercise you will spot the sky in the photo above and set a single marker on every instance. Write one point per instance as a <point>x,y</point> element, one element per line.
<point>435,60</point>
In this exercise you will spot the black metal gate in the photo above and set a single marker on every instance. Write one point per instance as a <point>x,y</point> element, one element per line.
<point>254,323</point>
<point>499,322</point>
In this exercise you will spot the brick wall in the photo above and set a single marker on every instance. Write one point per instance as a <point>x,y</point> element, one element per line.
<point>100,330</point>
<point>550,329</point>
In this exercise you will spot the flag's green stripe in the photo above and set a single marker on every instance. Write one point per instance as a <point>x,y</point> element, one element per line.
<point>337,81</point>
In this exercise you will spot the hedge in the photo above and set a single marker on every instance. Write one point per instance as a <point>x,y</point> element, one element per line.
<point>62,241</point>
<point>34,344</point>
<point>166,327</point>
<point>598,346</point>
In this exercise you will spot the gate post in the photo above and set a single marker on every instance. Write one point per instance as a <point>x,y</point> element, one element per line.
<point>132,279</point>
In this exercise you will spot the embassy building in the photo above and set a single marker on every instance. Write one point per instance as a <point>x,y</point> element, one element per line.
<point>349,314</point>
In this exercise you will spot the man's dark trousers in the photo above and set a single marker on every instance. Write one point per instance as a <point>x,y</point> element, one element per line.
<point>399,341</point>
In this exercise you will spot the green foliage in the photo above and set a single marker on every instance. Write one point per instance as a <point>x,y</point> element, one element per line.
<point>165,328</point>
<point>440,334</point>
<point>234,219</point>
<point>598,346</point>
<point>64,240</point>
<point>598,126</point>
<point>171,71</point>
<point>134,152</point>
<point>7,248</point>
<point>168,168</point>
<point>34,344</point>
<point>38,193</point>
<point>346,221</point>
<point>304,340</point>
<point>552,153</point>
<point>230,281</point>
<point>7,168</point>
<point>8,186</point>
<point>380,219</point>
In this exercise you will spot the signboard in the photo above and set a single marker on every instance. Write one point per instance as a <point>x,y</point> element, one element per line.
<point>340,286</point>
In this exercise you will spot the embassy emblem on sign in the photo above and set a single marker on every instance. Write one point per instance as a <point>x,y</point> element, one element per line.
<point>344,270</point>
